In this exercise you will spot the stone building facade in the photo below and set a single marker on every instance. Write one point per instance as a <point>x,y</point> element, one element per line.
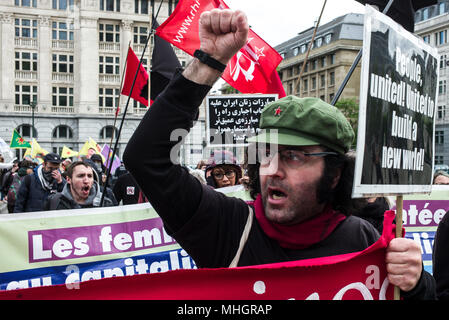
<point>61,69</point>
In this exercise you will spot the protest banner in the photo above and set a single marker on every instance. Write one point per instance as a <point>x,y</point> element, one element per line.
<point>69,246</point>
<point>395,146</point>
<point>72,246</point>
<point>360,275</point>
<point>232,119</point>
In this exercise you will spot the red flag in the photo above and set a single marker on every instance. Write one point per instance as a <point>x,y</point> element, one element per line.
<point>140,90</point>
<point>164,64</point>
<point>251,70</point>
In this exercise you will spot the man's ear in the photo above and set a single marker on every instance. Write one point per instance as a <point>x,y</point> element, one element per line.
<point>336,178</point>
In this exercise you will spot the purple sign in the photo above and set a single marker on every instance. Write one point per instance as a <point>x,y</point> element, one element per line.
<point>424,213</point>
<point>86,241</point>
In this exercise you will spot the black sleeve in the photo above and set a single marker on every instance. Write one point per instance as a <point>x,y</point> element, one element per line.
<point>425,289</point>
<point>22,194</point>
<point>440,259</point>
<point>117,189</point>
<point>172,191</point>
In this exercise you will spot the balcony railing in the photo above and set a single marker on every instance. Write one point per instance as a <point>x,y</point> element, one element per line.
<point>109,46</point>
<point>24,108</point>
<point>25,75</point>
<point>63,109</point>
<point>109,79</point>
<point>62,77</point>
<point>25,42</point>
<point>62,44</point>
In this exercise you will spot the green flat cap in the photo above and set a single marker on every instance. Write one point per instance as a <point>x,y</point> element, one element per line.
<point>305,122</point>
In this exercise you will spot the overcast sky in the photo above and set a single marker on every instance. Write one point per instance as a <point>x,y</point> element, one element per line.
<point>276,21</point>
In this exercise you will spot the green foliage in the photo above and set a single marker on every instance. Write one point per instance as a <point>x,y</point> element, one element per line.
<point>350,109</point>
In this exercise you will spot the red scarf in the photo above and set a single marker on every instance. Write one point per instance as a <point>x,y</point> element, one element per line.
<point>301,235</point>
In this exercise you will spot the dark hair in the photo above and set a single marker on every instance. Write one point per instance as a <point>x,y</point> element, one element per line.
<point>339,197</point>
<point>75,164</point>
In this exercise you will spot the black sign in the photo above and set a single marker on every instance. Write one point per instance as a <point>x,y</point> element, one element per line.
<point>234,118</point>
<point>395,147</point>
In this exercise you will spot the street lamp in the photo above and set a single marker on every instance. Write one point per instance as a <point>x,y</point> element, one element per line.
<point>33,105</point>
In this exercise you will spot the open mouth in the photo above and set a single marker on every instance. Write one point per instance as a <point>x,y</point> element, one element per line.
<point>276,194</point>
<point>85,189</point>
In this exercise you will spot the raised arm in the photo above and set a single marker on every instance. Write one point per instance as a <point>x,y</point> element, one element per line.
<point>171,190</point>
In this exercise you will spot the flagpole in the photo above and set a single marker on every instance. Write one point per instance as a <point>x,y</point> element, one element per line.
<point>309,48</point>
<point>354,64</point>
<point>117,111</point>
<point>127,102</point>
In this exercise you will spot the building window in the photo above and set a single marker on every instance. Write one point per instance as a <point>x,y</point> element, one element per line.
<point>26,61</point>
<point>24,94</point>
<point>332,78</point>
<point>426,39</point>
<point>441,8</point>
<point>323,62</point>
<point>62,132</point>
<point>108,132</point>
<point>25,28</point>
<point>110,5</point>
<point>314,64</point>
<point>25,131</point>
<point>110,33</point>
<point>328,38</point>
<point>319,42</point>
<point>442,87</point>
<point>62,31</point>
<point>441,112</point>
<point>109,97</point>
<point>140,35</point>
<point>306,84</point>
<point>332,58</point>
<point>62,4</point>
<point>439,137</point>
<point>323,81</point>
<point>442,36</point>
<point>313,83</point>
<point>303,48</point>
<point>141,6</point>
<point>425,14</point>
<point>439,160</point>
<point>295,51</point>
<point>109,65</point>
<point>26,3</point>
<point>62,63</point>
<point>62,97</point>
<point>443,61</point>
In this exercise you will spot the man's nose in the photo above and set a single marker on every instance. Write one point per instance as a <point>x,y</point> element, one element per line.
<point>275,167</point>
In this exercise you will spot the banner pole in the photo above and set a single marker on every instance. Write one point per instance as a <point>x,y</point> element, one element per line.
<point>354,64</point>
<point>399,206</point>
<point>126,106</point>
<point>308,50</point>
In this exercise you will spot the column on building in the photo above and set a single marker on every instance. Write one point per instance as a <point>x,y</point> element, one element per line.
<point>44,65</point>
<point>86,49</point>
<point>6,65</point>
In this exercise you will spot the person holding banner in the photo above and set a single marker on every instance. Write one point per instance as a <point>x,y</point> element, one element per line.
<point>293,216</point>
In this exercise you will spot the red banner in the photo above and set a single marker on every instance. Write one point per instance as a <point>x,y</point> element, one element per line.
<point>360,275</point>
<point>251,70</point>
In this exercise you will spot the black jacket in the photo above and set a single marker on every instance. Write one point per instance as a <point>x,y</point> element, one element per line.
<point>32,194</point>
<point>206,223</point>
